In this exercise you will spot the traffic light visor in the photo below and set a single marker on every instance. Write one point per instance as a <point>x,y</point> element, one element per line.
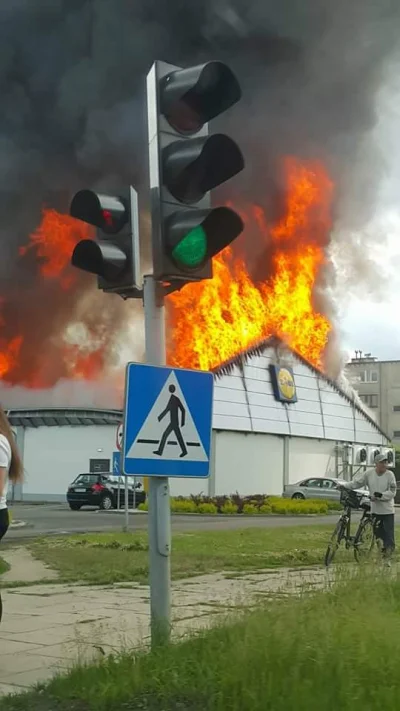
<point>192,168</point>
<point>191,97</point>
<point>196,236</point>
<point>108,213</point>
<point>102,258</point>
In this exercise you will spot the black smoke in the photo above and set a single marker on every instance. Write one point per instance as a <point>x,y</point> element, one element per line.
<point>72,77</point>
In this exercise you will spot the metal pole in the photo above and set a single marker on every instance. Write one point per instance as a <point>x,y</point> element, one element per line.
<point>159,516</point>
<point>126,527</point>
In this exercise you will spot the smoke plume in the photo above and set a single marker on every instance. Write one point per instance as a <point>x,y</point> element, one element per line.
<point>72,86</point>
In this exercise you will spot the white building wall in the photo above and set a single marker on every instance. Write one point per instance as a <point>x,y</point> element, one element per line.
<point>54,456</point>
<point>310,457</point>
<point>244,401</point>
<point>248,463</point>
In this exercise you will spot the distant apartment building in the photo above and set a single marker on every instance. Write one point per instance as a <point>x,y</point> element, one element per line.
<point>378,385</point>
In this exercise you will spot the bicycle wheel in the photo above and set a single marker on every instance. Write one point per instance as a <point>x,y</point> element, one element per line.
<point>335,541</point>
<point>364,540</point>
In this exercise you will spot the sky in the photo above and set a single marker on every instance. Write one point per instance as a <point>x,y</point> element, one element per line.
<point>369,305</point>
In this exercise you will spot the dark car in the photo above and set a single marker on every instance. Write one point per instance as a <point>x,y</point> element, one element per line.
<point>102,490</point>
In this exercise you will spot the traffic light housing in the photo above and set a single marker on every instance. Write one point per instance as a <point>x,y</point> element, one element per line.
<point>114,258</point>
<point>186,163</point>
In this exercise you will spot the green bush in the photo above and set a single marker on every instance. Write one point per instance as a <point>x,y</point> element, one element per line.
<point>250,509</point>
<point>298,507</point>
<point>229,508</point>
<point>207,508</point>
<point>183,506</point>
<point>249,505</point>
<point>265,509</point>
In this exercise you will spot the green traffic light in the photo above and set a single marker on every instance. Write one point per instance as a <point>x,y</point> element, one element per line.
<point>191,251</point>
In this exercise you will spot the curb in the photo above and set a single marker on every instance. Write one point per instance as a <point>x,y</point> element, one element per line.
<point>231,516</point>
<point>121,511</point>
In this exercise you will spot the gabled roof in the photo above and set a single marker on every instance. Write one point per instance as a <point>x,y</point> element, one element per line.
<point>276,342</point>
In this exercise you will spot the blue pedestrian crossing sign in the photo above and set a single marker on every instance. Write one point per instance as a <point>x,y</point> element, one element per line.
<point>116,463</point>
<point>167,421</point>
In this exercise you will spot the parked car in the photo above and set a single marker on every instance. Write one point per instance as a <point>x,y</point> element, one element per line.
<point>317,488</point>
<point>102,490</point>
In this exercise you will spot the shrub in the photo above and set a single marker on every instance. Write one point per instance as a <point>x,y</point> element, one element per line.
<point>249,509</point>
<point>265,509</point>
<point>207,508</point>
<point>298,507</point>
<point>144,506</point>
<point>229,508</point>
<point>182,505</point>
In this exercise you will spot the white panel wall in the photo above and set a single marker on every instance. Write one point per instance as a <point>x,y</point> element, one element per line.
<point>54,456</point>
<point>310,457</point>
<point>364,434</point>
<point>186,487</point>
<point>230,408</point>
<point>245,402</point>
<point>248,463</point>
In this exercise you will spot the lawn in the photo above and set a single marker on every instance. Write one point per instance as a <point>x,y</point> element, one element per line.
<point>3,566</point>
<point>120,557</point>
<point>337,649</point>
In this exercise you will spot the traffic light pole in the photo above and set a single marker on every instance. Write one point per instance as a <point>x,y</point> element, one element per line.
<point>159,516</point>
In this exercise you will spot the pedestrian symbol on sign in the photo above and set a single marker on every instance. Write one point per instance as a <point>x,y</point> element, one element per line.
<point>174,407</point>
<point>169,431</point>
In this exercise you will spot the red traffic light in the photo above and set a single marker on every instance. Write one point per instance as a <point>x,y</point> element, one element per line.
<point>108,213</point>
<point>192,97</point>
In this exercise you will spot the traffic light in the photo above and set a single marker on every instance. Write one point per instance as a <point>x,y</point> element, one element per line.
<point>114,258</point>
<point>186,163</point>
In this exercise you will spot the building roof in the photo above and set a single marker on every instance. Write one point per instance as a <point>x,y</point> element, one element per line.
<point>58,417</point>
<point>276,342</point>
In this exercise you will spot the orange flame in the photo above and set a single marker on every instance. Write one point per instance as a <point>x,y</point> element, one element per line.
<point>214,320</point>
<point>210,321</point>
<point>54,241</point>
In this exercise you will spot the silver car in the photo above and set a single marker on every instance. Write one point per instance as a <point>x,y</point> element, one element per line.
<point>316,488</point>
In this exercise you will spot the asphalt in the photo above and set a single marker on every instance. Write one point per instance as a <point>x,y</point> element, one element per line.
<point>53,519</point>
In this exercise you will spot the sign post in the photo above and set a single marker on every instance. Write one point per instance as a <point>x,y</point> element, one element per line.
<point>168,419</point>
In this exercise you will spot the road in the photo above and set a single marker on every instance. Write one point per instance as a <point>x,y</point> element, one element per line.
<point>58,519</point>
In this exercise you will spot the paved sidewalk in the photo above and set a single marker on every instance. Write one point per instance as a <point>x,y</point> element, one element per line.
<point>48,628</point>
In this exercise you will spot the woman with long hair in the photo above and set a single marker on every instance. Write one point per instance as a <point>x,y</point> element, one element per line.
<point>11,469</point>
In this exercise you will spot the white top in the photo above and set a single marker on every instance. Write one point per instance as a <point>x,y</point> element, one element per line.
<point>384,483</point>
<point>5,461</point>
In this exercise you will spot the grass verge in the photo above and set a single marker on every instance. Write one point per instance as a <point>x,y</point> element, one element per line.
<point>332,650</point>
<point>118,557</point>
<point>4,567</point>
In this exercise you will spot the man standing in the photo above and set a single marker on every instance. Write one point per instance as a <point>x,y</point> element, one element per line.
<point>382,486</point>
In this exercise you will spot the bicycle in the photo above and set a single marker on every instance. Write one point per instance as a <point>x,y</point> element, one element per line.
<point>365,537</point>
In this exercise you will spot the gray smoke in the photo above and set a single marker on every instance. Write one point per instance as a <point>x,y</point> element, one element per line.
<point>72,87</point>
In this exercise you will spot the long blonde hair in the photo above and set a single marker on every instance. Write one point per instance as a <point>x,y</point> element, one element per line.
<point>16,473</point>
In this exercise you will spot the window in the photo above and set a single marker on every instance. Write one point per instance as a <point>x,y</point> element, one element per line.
<point>312,482</point>
<point>369,376</point>
<point>328,484</point>
<point>370,400</point>
<point>396,408</point>
<point>396,434</point>
<point>85,479</point>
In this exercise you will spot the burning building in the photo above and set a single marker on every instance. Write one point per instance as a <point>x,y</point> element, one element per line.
<point>72,117</point>
<point>277,419</point>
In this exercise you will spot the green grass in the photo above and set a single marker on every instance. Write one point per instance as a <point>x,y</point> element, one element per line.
<point>118,557</point>
<point>332,650</point>
<point>4,567</point>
